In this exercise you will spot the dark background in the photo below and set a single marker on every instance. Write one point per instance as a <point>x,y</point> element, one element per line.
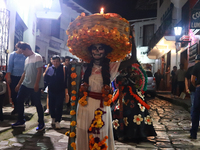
<point>129,9</point>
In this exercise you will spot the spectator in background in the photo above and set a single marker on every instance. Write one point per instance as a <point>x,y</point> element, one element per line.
<point>68,66</point>
<point>2,94</point>
<point>30,83</point>
<point>195,79</point>
<point>174,81</point>
<point>37,49</point>
<point>190,89</point>
<point>14,72</point>
<point>62,60</point>
<point>181,79</point>
<point>56,80</point>
<point>46,90</point>
<point>158,76</point>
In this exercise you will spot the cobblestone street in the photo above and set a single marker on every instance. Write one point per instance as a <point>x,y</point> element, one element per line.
<point>171,122</point>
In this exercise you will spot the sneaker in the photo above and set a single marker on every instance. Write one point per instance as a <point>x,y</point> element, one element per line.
<point>46,111</point>
<point>18,124</point>
<point>53,121</point>
<point>57,125</point>
<point>40,127</point>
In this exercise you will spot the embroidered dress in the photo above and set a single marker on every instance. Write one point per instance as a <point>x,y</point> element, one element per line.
<point>137,123</point>
<point>86,114</point>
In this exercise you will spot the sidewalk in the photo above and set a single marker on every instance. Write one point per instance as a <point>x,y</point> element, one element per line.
<point>31,117</point>
<point>166,95</point>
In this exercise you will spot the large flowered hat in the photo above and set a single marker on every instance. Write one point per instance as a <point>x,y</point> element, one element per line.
<point>109,29</point>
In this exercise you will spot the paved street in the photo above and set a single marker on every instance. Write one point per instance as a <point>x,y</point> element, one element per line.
<point>171,122</point>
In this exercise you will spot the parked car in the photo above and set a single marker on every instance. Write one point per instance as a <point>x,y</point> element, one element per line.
<point>151,84</point>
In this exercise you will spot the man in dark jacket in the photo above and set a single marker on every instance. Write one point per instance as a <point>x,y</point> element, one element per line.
<point>195,79</point>
<point>56,80</point>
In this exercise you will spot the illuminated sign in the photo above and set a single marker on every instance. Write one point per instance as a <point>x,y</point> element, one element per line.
<point>195,19</point>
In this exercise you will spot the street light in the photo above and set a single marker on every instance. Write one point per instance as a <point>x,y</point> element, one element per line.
<point>177,31</point>
<point>47,4</point>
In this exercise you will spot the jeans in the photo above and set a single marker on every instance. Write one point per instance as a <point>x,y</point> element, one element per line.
<point>181,85</point>
<point>13,84</point>
<point>174,87</point>
<point>195,113</point>
<point>24,93</point>
<point>56,105</point>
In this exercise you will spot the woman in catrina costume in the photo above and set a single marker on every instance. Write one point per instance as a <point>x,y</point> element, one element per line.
<point>101,40</point>
<point>133,121</point>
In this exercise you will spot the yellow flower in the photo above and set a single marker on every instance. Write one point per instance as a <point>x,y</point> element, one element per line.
<point>72,112</point>
<point>67,133</point>
<point>73,92</point>
<point>73,123</point>
<point>72,134</point>
<point>91,136</point>
<point>73,83</point>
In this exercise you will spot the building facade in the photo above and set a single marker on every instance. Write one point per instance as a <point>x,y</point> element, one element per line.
<point>169,49</point>
<point>144,31</point>
<point>40,23</point>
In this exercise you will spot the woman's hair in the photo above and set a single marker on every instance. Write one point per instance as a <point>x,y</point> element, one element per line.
<point>105,67</point>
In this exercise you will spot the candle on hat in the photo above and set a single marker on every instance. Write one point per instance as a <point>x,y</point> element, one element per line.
<point>102,11</point>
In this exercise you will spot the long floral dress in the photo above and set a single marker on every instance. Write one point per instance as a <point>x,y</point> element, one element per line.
<point>86,114</point>
<point>137,123</point>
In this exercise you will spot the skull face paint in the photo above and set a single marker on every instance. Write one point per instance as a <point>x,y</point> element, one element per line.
<point>98,51</point>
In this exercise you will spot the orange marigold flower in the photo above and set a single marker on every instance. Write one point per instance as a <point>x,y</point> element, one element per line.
<point>91,136</point>
<point>72,134</point>
<point>73,98</point>
<point>73,144</point>
<point>72,112</point>
<point>73,104</point>
<point>106,137</point>
<point>67,133</point>
<point>73,92</point>
<point>73,75</point>
<point>72,69</point>
<point>73,123</point>
<point>73,83</point>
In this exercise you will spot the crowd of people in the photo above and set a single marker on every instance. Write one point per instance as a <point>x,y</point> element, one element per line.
<point>26,78</point>
<point>187,82</point>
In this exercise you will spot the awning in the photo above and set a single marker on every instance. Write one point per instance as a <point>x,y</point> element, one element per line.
<point>165,44</point>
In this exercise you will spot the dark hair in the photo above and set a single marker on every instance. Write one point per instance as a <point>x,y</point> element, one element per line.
<point>174,67</point>
<point>56,57</point>
<point>105,71</point>
<point>67,57</point>
<point>25,46</point>
<point>18,44</point>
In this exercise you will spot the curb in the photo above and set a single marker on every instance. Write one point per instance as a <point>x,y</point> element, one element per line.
<point>176,102</point>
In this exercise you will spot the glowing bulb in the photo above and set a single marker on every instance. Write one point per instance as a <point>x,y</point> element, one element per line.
<point>102,11</point>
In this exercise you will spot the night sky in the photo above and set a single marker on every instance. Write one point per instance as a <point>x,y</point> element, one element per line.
<point>125,8</point>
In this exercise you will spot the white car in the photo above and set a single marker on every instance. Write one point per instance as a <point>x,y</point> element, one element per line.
<point>151,84</point>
